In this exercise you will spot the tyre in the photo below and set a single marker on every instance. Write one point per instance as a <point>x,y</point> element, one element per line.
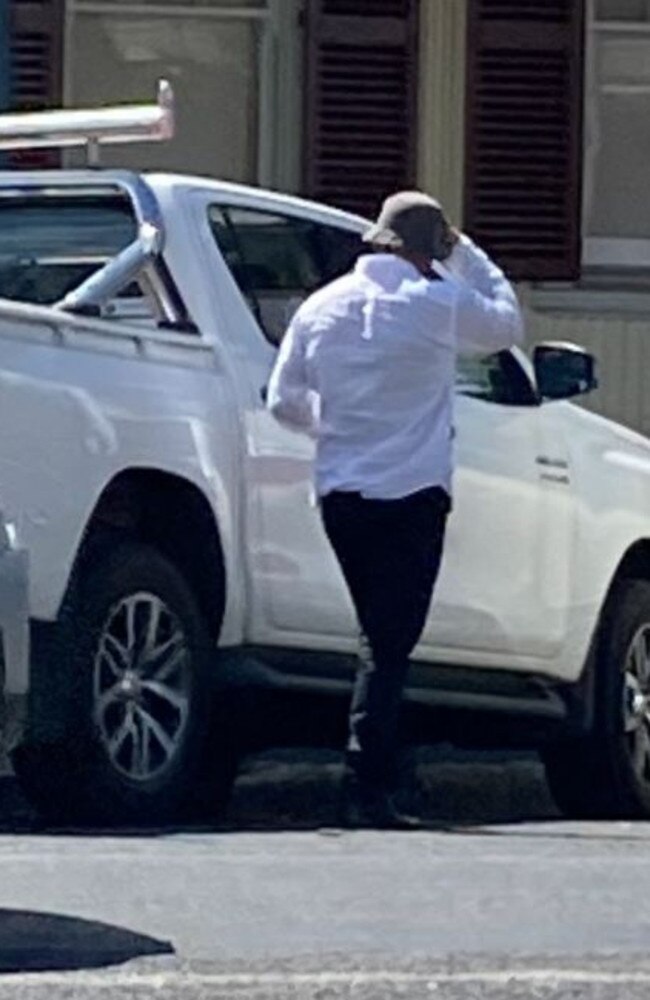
<point>128,681</point>
<point>607,774</point>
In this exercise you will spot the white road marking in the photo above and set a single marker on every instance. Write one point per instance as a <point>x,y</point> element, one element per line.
<point>161,980</point>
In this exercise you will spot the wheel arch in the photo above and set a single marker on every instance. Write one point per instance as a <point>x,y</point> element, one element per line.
<point>633,565</point>
<point>580,694</point>
<point>172,514</point>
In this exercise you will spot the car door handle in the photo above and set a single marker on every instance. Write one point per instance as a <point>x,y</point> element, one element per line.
<point>264,394</point>
<point>548,462</point>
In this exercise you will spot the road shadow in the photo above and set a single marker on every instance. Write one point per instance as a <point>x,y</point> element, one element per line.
<point>297,788</point>
<point>46,942</point>
<point>16,816</point>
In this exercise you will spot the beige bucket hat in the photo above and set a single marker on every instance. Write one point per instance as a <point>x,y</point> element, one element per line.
<point>412,221</point>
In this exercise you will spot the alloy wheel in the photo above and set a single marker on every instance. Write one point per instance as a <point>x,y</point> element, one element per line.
<point>141,687</point>
<point>636,702</point>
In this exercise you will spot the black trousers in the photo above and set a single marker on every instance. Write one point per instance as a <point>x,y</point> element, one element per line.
<point>389,552</point>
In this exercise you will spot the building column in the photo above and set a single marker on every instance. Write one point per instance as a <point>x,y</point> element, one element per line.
<point>5,52</point>
<point>287,122</point>
<point>441,147</point>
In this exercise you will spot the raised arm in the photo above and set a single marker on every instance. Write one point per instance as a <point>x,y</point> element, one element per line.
<point>488,317</point>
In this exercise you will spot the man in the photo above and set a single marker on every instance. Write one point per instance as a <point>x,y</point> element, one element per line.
<point>367,367</point>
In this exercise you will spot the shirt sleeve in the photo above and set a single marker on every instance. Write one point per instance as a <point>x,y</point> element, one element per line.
<point>289,396</point>
<point>488,315</point>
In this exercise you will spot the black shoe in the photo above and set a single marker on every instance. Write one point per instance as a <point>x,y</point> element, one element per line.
<point>373,810</point>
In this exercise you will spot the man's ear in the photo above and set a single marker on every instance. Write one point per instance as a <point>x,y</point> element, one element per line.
<point>446,237</point>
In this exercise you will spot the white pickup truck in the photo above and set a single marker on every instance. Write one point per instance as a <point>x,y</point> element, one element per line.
<point>173,545</point>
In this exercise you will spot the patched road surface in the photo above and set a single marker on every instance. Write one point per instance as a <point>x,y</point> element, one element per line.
<point>498,899</point>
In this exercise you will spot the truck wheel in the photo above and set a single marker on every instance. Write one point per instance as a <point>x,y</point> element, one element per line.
<point>130,663</point>
<point>607,775</point>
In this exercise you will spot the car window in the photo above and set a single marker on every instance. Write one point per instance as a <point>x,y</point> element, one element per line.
<point>498,378</point>
<point>278,250</point>
<point>278,260</point>
<point>338,251</point>
<point>225,238</point>
<point>50,243</point>
<point>272,258</point>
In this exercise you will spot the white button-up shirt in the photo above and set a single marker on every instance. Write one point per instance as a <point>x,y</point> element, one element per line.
<point>368,366</point>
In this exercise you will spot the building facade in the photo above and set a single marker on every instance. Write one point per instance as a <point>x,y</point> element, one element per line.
<point>527,118</point>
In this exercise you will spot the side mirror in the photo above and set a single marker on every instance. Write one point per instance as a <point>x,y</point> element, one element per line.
<point>563,371</point>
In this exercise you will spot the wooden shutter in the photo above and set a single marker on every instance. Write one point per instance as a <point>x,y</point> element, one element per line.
<point>524,134</point>
<point>35,67</point>
<point>360,100</point>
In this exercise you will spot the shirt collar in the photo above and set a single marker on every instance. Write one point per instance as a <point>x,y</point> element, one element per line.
<point>386,268</point>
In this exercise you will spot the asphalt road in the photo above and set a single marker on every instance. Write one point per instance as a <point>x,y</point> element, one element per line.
<point>498,899</point>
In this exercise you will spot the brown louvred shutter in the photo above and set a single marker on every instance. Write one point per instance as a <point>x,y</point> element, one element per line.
<point>524,134</point>
<point>35,72</point>
<point>360,109</point>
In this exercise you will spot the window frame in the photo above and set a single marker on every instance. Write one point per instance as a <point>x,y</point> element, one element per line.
<point>604,252</point>
<point>279,65</point>
<point>248,293</point>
